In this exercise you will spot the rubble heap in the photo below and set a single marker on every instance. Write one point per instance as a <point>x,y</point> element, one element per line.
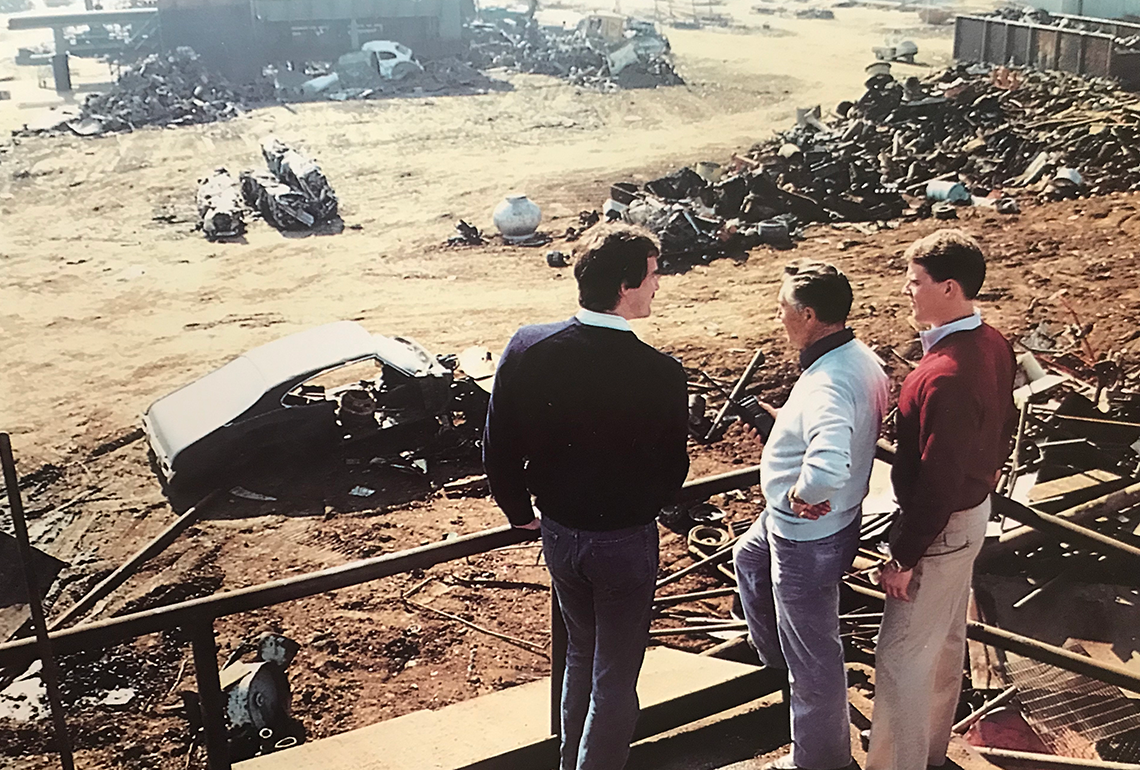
<point>165,89</point>
<point>294,194</point>
<point>637,60</point>
<point>986,132</point>
<point>220,210</point>
<point>1031,15</point>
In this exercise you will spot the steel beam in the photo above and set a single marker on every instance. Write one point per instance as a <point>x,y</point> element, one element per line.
<point>48,20</point>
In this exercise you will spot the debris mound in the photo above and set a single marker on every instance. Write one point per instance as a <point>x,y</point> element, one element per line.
<point>164,89</point>
<point>627,55</point>
<point>302,174</point>
<point>220,208</point>
<point>969,135</point>
<point>294,193</point>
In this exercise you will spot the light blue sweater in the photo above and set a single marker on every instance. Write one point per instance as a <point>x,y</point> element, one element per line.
<point>823,442</point>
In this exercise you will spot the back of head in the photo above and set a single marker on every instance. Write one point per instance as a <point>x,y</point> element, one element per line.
<point>821,286</point>
<point>951,254</point>
<point>609,257</point>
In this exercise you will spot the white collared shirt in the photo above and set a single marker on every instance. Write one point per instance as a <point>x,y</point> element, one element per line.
<point>933,336</point>
<point>605,320</point>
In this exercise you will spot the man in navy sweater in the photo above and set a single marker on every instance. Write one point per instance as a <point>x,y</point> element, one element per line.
<point>593,423</point>
<point>955,422</point>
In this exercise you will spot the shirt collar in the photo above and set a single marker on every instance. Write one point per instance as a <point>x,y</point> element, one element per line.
<point>604,320</point>
<point>933,336</point>
<point>824,345</point>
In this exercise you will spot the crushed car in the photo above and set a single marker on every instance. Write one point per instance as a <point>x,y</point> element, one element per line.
<point>310,391</point>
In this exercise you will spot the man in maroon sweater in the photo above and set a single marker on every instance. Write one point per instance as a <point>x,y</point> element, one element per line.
<point>955,422</point>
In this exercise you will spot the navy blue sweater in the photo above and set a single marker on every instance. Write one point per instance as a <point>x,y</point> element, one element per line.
<point>590,420</point>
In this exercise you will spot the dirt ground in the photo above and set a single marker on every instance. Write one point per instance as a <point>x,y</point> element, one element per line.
<point>109,300</point>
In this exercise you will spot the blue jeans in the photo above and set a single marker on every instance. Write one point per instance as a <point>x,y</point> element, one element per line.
<point>605,583</point>
<point>790,593</point>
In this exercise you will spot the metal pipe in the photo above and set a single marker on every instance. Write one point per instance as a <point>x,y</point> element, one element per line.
<point>722,555</point>
<point>985,708</point>
<point>707,486</point>
<point>113,630</point>
<point>741,384</point>
<point>1052,582</point>
<point>1053,759</point>
<point>736,625</point>
<point>1063,529</point>
<point>1114,502</point>
<point>42,640</point>
<point>156,546</point>
<point>669,601</point>
<point>1034,649</point>
<point>1006,485</point>
<point>210,695</point>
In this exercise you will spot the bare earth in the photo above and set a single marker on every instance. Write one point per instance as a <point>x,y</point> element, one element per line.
<point>109,299</point>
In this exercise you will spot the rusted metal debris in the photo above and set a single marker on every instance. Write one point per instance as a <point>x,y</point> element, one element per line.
<point>597,55</point>
<point>1077,458</point>
<point>303,175</point>
<point>999,132</point>
<point>165,89</point>
<point>293,194</point>
<point>221,211</point>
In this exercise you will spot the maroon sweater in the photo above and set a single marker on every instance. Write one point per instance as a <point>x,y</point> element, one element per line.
<point>955,423</point>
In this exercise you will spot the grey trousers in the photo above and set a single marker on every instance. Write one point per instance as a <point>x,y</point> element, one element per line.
<point>790,593</point>
<point>922,649</point>
<point>605,583</point>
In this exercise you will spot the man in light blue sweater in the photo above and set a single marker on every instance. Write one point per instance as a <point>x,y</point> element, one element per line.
<point>814,473</point>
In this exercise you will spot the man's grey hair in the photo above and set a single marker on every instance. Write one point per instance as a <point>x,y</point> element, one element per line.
<point>821,286</point>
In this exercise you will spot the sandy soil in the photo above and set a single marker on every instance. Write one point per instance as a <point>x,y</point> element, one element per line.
<point>109,299</point>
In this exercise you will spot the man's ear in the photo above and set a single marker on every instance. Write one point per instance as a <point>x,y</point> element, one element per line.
<point>809,313</point>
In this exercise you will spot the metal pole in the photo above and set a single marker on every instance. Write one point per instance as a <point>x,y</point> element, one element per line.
<point>961,727</point>
<point>210,695</point>
<point>123,573</point>
<point>1027,647</point>
<point>43,643</point>
<point>1053,759</point>
<point>741,384</point>
<point>558,643</point>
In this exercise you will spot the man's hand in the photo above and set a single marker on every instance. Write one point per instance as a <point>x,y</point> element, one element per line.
<point>806,510</point>
<point>532,524</point>
<point>895,581</point>
<point>752,434</point>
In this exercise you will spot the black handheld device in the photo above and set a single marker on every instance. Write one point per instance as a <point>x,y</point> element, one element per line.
<point>755,415</point>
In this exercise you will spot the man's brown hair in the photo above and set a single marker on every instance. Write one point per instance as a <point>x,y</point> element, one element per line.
<point>609,257</point>
<point>951,254</point>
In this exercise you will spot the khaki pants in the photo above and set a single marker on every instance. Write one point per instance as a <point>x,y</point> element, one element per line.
<point>921,650</point>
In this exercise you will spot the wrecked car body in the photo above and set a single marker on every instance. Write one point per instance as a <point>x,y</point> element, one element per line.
<point>273,400</point>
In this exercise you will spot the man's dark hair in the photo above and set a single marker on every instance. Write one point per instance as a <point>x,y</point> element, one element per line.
<point>609,257</point>
<point>951,254</point>
<point>820,286</point>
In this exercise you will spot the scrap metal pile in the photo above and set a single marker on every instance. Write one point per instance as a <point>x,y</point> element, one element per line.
<point>1053,618</point>
<point>1031,15</point>
<point>966,135</point>
<point>293,194</point>
<point>625,54</point>
<point>164,89</point>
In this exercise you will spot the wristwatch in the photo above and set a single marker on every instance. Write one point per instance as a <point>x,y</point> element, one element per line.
<point>894,565</point>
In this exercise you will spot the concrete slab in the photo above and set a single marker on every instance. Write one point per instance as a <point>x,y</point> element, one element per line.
<point>510,728</point>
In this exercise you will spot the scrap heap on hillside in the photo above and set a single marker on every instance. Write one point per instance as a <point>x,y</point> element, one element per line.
<point>996,132</point>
